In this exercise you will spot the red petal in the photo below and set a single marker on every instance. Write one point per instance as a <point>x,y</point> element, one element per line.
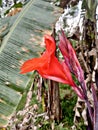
<point>50,44</point>
<point>56,72</point>
<point>33,64</point>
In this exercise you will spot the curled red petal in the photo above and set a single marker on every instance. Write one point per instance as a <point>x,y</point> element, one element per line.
<point>50,44</point>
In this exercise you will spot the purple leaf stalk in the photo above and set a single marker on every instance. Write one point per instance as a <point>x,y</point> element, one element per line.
<point>70,59</point>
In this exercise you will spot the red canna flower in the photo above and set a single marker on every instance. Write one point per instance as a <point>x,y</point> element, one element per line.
<point>48,66</point>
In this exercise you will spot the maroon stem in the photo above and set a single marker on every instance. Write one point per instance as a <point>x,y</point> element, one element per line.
<point>83,85</point>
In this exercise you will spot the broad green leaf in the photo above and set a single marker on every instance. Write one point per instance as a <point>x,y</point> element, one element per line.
<point>21,43</point>
<point>5,25</point>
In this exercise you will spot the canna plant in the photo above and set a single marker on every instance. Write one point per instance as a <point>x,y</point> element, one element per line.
<point>49,67</point>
